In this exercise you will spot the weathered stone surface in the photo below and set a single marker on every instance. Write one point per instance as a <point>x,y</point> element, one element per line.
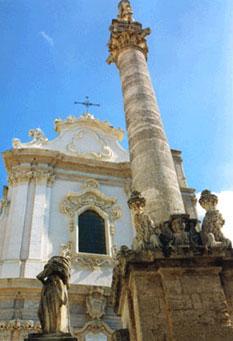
<point>177,298</point>
<point>40,337</point>
<point>153,171</point>
<point>121,335</point>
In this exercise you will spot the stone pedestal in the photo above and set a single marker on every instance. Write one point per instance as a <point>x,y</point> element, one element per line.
<point>50,337</point>
<point>178,298</point>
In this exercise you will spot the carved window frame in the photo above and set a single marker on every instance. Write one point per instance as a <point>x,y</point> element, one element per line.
<point>74,204</point>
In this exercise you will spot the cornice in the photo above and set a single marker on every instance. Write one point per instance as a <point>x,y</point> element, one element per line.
<point>35,156</point>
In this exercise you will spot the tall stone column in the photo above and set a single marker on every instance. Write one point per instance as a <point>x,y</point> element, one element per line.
<point>153,171</point>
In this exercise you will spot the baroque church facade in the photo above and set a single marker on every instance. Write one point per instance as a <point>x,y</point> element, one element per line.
<point>68,196</point>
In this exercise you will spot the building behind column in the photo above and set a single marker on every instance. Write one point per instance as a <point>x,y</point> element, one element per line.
<point>69,196</point>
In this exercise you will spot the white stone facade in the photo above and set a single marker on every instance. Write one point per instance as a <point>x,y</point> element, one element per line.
<point>50,184</point>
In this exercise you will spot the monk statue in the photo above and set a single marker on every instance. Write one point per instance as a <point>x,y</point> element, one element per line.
<point>53,309</point>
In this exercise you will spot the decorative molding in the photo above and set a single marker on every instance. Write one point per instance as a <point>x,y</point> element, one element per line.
<point>90,198</point>
<point>90,183</point>
<point>104,154</point>
<point>125,33</point>
<point>93,261</point>
<point>86,260</point>
<point>95,327</point>
<point>89,120</point>
<point>19,175</point>
<point>38,140</point>
<point>24,325</point>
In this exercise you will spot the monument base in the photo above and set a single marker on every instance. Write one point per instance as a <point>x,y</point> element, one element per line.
<point>50,337</point>
<point>182,297</point>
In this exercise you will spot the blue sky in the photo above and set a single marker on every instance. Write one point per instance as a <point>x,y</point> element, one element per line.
<point>53,52</point>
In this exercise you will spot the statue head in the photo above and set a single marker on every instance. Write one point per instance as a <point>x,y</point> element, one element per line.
<point>125,11</point>
<point>59,266</point>
<point>208,200</point>
<point>136,202</point>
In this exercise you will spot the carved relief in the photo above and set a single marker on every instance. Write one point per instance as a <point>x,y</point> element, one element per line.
<point>94,327</point>
<point>74,146</point>
<point>89,120</point>
<point>93,261</point>
<point>126,33</point>
<point>38,139</point>
<point>24,325</point>
<point>91,198</point>
<point>96,303</point>
<point>213,222</point>
<point>20,174</point>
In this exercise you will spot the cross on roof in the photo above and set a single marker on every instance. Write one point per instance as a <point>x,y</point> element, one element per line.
<point>87,103</point>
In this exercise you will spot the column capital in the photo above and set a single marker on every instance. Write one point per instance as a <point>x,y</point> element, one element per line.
<point>125,33</point>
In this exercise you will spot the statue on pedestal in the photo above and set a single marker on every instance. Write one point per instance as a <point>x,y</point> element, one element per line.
<point>147,234</point>
<point>213,222</point>
<point>125,11</point>
<point>53,310</point>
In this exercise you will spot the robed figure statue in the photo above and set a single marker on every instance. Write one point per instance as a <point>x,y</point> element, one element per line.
<point>53,309</point>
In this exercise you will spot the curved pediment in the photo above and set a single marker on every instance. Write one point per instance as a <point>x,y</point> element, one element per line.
<point>83,137</point>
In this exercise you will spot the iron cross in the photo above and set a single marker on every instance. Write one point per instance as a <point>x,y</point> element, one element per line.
<point>87,103</point>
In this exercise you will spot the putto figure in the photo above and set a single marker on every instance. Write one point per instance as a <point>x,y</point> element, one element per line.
<point>147,234</point>
<point>53,310</point>
<point>125,11</point>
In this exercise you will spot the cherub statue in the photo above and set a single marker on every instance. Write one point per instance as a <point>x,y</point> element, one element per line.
<point>147,234</point>
<point>213,222</point>
<point>125,11</point>
<point>53,309</point>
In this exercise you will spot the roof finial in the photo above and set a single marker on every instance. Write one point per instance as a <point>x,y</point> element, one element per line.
<point>125,11</point>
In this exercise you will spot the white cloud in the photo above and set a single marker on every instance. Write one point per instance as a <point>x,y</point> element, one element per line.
<point>47,38</point>
<point>225,206</point>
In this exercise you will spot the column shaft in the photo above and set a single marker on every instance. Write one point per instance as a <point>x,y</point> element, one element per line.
<point>153,171</point>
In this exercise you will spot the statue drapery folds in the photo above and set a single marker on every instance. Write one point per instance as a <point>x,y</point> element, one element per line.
<point>53,310</point>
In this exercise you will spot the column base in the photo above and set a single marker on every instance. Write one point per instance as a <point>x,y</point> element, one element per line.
<point>50,337</point>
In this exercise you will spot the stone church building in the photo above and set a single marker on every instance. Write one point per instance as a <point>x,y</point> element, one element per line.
<point>68,196</point>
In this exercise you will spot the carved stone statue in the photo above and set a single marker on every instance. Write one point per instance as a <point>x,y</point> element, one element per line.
<point>53,310</point>
<point>180,232</point>
<point>147,234</point>
<point>125,11</point>
<point>96,304</point>
<point>213,222</point>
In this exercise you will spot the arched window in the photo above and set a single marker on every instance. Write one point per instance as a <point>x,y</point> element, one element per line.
<point>91,233</point>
